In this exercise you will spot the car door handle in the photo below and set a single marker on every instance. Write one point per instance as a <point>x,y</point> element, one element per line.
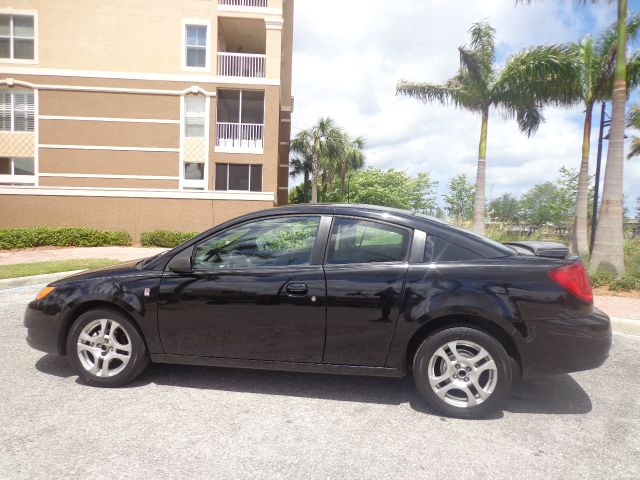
<point>297,288</point>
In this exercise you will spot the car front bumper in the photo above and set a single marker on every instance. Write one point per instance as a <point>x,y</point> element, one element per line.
<point>44,330</point>
<point>567,345</point>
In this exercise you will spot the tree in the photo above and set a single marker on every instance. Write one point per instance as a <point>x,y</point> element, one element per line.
<point>608,246</point>
<point>300,163</point>
<point>459,201</point>
<point>352,159</point>
<point>540,206</point>
<point>595,65</point>
<point>552,203</point>
<point>505,208</point>
<point>638,207</point>
<point>539,75</point>
<point>322,144</point>
<point>393,188</point>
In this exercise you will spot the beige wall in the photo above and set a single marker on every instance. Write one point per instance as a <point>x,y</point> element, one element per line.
<point>103,162</point>
<point>135,215</point>
<point>113,105</point>
<point>73,132</point>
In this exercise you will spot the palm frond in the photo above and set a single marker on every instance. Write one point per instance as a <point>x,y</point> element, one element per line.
<point>483,40</point>
<point>483,37</point>
<point>634,149</point>
<point>529,119</point>
<point>539,75</point>
<point>474,65</point>
<point>633,117</point>
<point>633,71</point>
<point>426,92</point>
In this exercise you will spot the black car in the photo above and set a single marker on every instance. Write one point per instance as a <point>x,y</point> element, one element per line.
<point>337,289</point>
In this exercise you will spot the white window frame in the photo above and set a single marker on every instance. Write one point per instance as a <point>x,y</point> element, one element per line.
<point>31,13</point>
<point>207,60</point>
<point>251,166</point>
<point>22,179</point>
<point>12,111</point>
<point>194,185</point>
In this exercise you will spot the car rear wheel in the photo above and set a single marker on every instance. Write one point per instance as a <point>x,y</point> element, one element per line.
<point>462,372</point>
<point>106,349</point>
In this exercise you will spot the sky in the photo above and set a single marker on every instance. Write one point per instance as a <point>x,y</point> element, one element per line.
<point>349,54</point>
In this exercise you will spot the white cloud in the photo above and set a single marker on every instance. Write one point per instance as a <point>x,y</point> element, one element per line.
<point>349,54</point>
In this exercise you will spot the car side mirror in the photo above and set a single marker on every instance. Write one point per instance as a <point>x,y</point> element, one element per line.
<point>181,263</point>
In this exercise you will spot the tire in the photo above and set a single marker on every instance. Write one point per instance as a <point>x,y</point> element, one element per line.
<point>106,349</point>
<point>442,359</point>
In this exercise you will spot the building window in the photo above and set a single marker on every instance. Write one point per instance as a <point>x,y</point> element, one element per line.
<point>17,111</point>
<point>195,116</point>
<point>233,176</point>
<point>17,170</point>
<point>196,41</point>
<point>17,37</point>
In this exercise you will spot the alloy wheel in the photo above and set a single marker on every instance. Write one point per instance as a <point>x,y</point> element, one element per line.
<point>462,373</point>
<point>104,348</point>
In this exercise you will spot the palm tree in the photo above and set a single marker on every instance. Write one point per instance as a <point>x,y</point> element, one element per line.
<point>323,142</point>
<point>608,247</point>
<point>537,76</point>
<point>633,121</point>
<point>300,161</point>
<point>595,64</point>
<point>352,160</point>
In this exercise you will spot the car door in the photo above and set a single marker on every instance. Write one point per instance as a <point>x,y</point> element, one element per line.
<point>366,267</point>
<point>256,291</point>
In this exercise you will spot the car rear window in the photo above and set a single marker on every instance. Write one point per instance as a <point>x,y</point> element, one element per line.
<point>440,250</point>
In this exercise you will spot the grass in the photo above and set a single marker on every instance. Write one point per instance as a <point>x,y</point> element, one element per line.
<point>39,268</point>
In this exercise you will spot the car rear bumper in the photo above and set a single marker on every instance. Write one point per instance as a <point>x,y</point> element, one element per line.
<point>568,345</point>
<point>43,329</point>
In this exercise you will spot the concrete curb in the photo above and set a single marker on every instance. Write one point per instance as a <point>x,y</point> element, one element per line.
<point>624,325</point>
<point>35,279</point>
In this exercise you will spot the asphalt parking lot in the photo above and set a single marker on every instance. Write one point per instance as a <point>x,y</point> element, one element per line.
<point>194,423</point>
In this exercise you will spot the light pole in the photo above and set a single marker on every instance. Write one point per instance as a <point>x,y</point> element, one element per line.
<point>605,121</point>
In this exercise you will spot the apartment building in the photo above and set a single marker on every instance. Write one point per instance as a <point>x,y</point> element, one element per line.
<point>143,114</point>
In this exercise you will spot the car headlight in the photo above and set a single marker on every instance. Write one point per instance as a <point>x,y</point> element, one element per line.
<point>44,292</point>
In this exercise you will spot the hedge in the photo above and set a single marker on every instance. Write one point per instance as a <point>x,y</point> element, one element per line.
<point>165,238</point>
<point>61,237</point>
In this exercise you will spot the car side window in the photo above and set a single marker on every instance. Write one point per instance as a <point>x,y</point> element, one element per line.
<point>272,242</point>
<point>361,241</point>
<point>440,250</point>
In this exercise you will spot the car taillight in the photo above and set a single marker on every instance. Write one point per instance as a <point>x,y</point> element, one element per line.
<point>573,278</point>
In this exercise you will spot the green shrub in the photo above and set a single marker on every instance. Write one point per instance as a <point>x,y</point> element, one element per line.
<point>626,283</point>
<point>165,238</point>
<point>600,279</point>
<point>61,237</point>
<point>632,256</point>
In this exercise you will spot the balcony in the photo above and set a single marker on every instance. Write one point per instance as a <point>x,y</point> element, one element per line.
<point>241,48</point>
<point>248,65</point>
<point>244,3</point>
<point>240,121</point>
<point>245,137</point>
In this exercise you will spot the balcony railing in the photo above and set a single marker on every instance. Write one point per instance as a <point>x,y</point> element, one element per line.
<point>244,3</point>
<point>241,136</point>
<point>241,65</point>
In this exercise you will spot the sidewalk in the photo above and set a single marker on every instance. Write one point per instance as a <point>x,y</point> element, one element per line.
<point>33,255</point>
<point>620,307</point>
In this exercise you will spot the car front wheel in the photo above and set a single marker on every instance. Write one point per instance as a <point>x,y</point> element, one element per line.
<point>462,372</point>
<point>106,349</point>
